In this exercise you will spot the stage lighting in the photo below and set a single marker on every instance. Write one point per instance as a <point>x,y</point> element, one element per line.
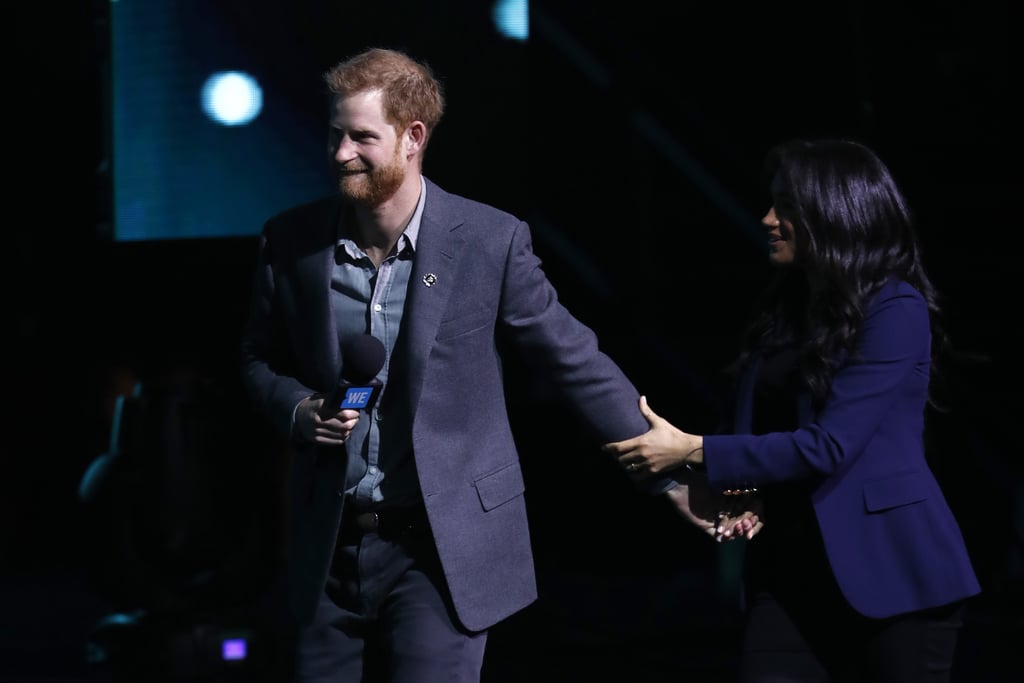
<point>512,18</point>
<point>232,98</point>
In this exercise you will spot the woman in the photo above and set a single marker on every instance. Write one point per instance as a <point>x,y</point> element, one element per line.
<point>861,572</point>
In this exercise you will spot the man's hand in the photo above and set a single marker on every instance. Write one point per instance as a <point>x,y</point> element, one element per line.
<point>693,509</point>
<point>331,431</point>
<point>723,517</point>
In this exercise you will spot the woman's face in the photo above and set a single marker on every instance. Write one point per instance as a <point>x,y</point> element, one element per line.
<point>781,244</point>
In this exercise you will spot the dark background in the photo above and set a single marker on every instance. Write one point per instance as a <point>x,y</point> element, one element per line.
<point>630,137</point>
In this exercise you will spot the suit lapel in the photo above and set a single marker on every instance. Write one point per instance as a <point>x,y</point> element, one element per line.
<point>322,263</point>
<point>430,285</point>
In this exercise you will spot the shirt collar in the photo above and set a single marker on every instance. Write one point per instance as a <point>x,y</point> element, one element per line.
<point>407,240</point>
<point>412,230</point>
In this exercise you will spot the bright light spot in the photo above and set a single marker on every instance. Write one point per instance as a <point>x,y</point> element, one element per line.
<point>512,18</point>
<point>232,98</point>
<point>233,649</point>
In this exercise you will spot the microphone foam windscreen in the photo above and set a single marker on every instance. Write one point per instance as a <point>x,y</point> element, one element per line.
<point>362,358</point>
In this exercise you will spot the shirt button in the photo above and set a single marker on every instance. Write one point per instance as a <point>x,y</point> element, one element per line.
<point>378,308</point>
<point>373,469</point>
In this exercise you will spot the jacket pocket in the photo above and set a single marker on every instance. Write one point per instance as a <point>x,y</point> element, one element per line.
<point>500,487</point>
<point>896,491</point>
<point>463,323</point>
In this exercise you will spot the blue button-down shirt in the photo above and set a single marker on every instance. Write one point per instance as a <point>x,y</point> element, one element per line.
<point>369,299</point>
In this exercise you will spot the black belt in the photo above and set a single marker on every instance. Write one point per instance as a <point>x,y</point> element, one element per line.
<point>385,522</point>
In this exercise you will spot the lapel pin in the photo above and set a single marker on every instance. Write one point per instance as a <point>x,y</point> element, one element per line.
<point>429,279</point>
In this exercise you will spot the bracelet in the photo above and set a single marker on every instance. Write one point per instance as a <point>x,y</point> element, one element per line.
<point>693,467</point>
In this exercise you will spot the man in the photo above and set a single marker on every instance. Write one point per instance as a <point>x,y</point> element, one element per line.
<point>408,536</point>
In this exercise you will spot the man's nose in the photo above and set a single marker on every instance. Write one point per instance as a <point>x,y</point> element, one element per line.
<point>343,150</point>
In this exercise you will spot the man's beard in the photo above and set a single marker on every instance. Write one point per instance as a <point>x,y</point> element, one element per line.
<point>374,186</point>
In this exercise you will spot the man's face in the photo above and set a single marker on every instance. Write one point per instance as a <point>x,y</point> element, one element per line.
<point>366,150</point>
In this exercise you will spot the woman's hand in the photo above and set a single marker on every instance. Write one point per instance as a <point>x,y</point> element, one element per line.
<point>660,449</point>
<point>742,518</point>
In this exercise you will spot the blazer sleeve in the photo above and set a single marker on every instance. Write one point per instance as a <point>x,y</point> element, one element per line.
<point>563,349</point>
<point>890,364</point>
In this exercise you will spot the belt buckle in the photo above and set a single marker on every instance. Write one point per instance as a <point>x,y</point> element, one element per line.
<point>368,521</point>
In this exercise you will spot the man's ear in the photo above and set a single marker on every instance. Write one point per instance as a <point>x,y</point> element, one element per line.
<point>415,137</point>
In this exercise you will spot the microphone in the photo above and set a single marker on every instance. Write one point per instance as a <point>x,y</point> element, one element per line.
<point>362,357</point>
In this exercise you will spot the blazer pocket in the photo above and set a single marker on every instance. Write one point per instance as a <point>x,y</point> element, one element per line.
<point>897,491</point>
<point>500,487</point>
<point>464,323</point>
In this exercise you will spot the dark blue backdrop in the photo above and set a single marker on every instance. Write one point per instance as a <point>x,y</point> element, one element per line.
<point>631,141</point>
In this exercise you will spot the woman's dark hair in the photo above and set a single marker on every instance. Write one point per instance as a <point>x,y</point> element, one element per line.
<point>853,232</point>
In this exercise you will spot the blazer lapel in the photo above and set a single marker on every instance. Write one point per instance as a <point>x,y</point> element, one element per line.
<point>430,285</point>
<point>327,345</point>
